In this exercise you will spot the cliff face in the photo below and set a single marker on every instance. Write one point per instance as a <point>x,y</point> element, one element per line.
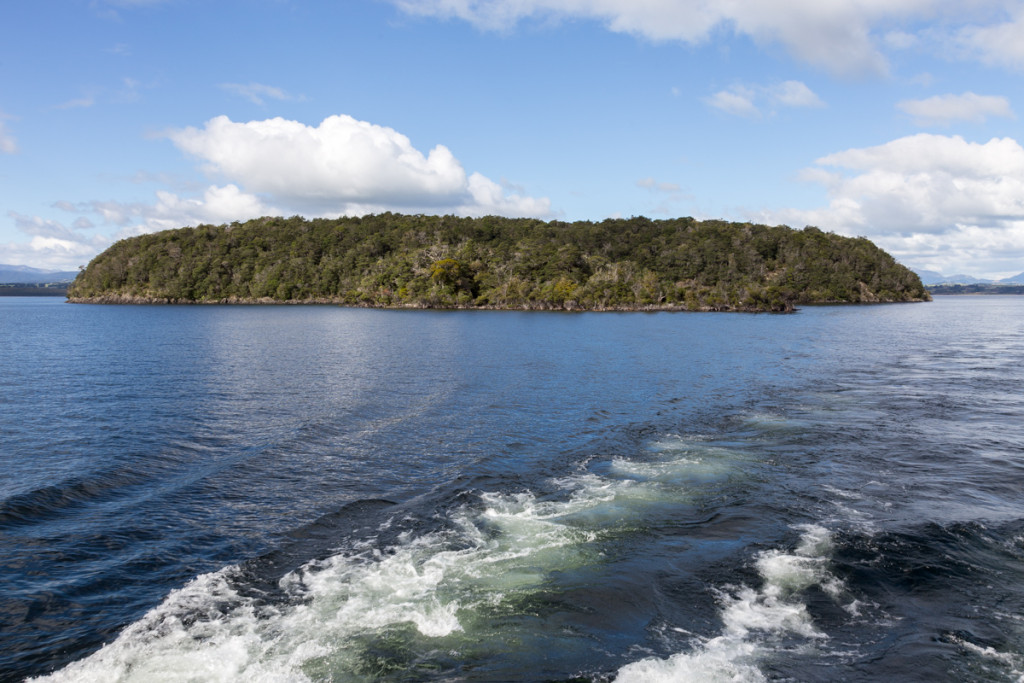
<point>394,260</point>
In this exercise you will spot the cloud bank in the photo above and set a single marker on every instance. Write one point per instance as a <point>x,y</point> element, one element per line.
<point>841,36</point>
<point>941,201</point>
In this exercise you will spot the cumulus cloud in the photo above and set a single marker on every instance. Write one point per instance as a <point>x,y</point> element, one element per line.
<point>53,245</point>
<point>838,36</point>
<point>345,166</point>
<point>217,205</point>
<point>279,167</point>
<point>933,201</point>
<point>947,109</point>
<point>743,100</point>
<point>257,93</point>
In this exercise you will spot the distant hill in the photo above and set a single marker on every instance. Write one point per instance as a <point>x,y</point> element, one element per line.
<point>24,275</point>
<point>980,288</point>
<point>1015,280</point>
<point>394,260</point>
<point>962,279</point>
<point>931,278</point>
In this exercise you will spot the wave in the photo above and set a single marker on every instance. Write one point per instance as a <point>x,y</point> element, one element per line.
<point>50,501</point>
<point>481,585</point>
<point>756,621</point>
<point>486,584</point>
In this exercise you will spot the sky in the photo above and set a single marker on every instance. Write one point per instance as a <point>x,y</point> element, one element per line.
<point>897,120</point>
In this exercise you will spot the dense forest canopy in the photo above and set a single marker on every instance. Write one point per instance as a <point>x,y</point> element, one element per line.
<point>494,262</point>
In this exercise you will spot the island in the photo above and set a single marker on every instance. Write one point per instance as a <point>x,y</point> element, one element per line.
<point>393,260</point>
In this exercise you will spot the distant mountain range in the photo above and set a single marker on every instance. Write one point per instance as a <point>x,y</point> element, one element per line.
<point>931,277</point>
<point>24,275</point>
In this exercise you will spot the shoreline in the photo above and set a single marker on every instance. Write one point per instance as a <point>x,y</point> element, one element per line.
<point>125,299</point>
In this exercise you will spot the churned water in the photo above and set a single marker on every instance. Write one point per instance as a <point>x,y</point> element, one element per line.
<point>285,493</point>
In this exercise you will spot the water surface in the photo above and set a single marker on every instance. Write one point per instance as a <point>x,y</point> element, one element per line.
<point>317,493</point>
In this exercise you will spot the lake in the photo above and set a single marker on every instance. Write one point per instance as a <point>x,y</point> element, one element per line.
<point>293,493</point>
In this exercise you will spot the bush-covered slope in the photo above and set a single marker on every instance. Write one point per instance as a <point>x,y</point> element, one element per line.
<point>446,261</point>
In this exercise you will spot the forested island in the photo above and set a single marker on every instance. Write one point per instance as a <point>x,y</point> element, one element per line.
<point>394,260</point>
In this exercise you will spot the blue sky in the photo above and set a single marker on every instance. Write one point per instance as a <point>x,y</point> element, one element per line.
<point>898,120</point>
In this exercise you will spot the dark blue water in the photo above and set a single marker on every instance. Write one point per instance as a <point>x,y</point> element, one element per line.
<point>318,493</point>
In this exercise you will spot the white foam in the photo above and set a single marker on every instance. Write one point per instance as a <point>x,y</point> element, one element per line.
<point>683,464</point>
<point>203,631</point>
<point>431,583</point>
<point>435,586</point>
<point>1014,662</point>
<point>720,660</point>
<point>752,619</point>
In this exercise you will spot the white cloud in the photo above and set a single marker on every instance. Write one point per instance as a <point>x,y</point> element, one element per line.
<point>900,40</point>
<point>216,205</point>
<point>794,94</point>
<point>345,166</point>
<point>488,197</point>
<point>837,35</point>
<point>844,37</point>
<point>946,109</point>
<point>169,210</point>
<point>738,100</point>
<point>999,44</point>
<point>257,93</point>
<point>53,246</point>
<point>742,100</point>
<point>341,167</point>
<point>929,199</point>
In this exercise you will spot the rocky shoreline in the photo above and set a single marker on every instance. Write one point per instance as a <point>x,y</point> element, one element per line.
<point>127,299</point>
